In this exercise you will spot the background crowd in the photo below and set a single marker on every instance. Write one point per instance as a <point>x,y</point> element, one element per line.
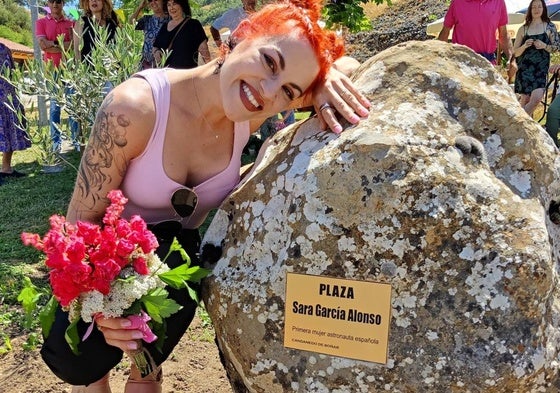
<point>173,38</point>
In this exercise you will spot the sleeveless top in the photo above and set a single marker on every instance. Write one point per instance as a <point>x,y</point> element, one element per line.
<point>89,36</point>
<point>149,189</point>
<point>532,66</point>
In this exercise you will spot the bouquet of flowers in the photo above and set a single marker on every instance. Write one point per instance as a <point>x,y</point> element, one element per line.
<point>110,271</point>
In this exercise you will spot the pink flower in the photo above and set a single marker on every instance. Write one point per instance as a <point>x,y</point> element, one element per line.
<point>90,232</point>
<point>32,239</point>
<point>64,288</point>
<point>115,209</point>
<point>84,257</point>
<point>125,247</point>
<point>76,250</point>
<point>140,266</point>
<point>104,274</point>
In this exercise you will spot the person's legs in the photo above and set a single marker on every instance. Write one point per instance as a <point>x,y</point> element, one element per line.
<point>72,123</point>
<point>101,386</point>
<point>96,357</point>
<point>7,169</point>
<point>54,117</point>
<point>7,161</point>
<point>534,99</point>
<point>553,119</point>
<point>523,99</point>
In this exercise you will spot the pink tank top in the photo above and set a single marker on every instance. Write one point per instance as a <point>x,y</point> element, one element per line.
<point>146,185</point>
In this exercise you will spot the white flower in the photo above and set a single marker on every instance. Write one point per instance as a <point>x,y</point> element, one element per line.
<point>129,287</point>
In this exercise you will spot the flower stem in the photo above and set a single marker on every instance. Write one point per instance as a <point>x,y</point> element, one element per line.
<point>142,360</point>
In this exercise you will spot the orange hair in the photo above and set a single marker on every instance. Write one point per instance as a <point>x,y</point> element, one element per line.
<point>299,17</point>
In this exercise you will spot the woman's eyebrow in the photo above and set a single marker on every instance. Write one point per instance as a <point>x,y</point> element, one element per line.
<point>282,66</point>
<point>280,59</point>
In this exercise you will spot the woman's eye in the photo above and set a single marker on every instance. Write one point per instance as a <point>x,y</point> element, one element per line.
<point>289,93</point>
<point>270,63</point>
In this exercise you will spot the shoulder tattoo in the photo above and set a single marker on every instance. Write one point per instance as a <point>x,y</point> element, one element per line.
<point>103,156</point>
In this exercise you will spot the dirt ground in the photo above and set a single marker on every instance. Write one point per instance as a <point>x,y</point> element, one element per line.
<point>193,367</point>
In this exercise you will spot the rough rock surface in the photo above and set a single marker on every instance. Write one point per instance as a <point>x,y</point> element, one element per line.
<point>403,21</point>
<point>444,192</point>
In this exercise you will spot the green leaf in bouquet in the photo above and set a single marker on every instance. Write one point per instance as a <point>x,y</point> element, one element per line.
<point>192,293</point>
<point>134,309</point>
<point>47,315</point>
<point>72,337</point>
<point>159,330</point>
<point>178,277</point>
<point>158,305</point>
<point>176,246</point>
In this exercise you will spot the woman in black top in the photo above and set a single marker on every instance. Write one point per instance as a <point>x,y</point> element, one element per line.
<point>183,36</point>
<point>100,13</point>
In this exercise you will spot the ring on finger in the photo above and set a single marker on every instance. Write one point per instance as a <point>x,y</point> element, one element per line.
<point>324,106</point>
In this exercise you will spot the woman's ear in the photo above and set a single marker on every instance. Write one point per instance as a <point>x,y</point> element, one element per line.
<point>242,30</point>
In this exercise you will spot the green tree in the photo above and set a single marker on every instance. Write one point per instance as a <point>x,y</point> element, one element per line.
<point>348,14</point>
<point>15,23</point>
<point>109,64</point>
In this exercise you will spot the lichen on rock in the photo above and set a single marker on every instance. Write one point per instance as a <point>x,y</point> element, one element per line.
<point>445,192</point>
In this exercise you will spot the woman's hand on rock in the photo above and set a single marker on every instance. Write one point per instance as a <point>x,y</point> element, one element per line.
<point>340,95</point>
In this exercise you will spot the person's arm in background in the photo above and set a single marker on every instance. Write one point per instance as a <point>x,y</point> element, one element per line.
<point>216,35</point>
<point>444,34</point>
<point>520,46</point>
<point>77,38</point>
<point>449,21</point>
<point>218,24</point>
<point>505,42</point>
<point>46,45</point>
<point>138,11</point>
<point>204,51</point>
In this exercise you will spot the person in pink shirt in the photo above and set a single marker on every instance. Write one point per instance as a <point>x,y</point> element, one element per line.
<point>48,29</point>
<point>474,24</point>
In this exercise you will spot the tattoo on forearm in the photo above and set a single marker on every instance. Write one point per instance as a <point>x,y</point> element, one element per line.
<point>102,155</point>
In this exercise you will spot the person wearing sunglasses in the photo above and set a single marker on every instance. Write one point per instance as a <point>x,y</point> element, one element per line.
<point>172,139</point>
<point>47,30</point>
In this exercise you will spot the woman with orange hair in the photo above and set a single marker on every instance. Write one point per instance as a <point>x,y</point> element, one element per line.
<point>171,140</point>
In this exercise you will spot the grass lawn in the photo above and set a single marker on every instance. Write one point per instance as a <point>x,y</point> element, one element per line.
<point>27,204</point>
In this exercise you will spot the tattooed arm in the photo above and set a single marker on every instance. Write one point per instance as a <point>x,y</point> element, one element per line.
<point>122,128</point>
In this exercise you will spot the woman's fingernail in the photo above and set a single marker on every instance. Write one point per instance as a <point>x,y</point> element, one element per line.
<point>137,335</point>
<point>337,129</point>
<point>354,119</point>
<point>126,323</point>
<point>363,112</point>
<point>132,345</point>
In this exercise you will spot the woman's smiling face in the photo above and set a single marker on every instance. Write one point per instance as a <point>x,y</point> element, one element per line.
<point>262,76</point>
<point>174,9</point>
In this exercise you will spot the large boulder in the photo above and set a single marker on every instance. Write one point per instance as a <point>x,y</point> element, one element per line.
<point>447,192</point>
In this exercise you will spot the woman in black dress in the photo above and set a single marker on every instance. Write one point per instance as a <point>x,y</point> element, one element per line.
<point>534,42</point>
<point>97,12</point>
<point>183,36</point>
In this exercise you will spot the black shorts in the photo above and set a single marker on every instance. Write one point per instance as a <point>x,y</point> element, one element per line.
<point>96,357</point>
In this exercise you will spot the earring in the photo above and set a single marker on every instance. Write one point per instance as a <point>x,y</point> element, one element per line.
<point>229,45</point>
